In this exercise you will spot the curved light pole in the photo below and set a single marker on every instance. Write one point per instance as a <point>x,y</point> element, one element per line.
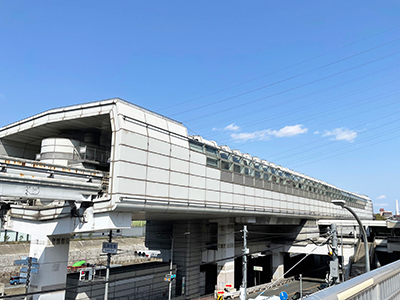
<point>342,204</point>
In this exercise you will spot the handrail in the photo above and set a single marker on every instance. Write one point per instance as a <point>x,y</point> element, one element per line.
<point>365,283</point>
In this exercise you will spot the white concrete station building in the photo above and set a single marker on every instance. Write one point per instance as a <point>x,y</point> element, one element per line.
<point>99,165</point>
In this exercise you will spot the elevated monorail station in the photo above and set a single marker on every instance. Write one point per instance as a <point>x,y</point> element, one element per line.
<point>99,165</point>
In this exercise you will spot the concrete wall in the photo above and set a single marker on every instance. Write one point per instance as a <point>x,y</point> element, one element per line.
<point>88,250</point>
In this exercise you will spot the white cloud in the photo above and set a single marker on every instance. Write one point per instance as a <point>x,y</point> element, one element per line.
<point>267,134</point>
<point>381,197</point>
<point>316,132</point>
<point>261,135</point>
<point>232,127</point>
<point>342,134</point>
<point>289,131</point>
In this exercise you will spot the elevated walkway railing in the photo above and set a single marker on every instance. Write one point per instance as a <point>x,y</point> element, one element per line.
<point>379,284</point>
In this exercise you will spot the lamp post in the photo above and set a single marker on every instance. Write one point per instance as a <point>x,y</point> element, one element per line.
<point>342,204</point>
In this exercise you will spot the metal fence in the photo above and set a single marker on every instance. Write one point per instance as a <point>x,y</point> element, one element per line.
<point>379,284</point>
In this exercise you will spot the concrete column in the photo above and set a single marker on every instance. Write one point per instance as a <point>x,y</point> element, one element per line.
<point>52,255</point>
<point>226,249</point>
<point>347,253</point>
<point>187,256</point>
<point>277,264</point>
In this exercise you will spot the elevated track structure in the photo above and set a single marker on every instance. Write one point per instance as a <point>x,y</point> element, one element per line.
<point>99,165</point>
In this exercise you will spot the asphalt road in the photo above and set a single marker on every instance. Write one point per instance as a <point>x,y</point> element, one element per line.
<point>310,285</point>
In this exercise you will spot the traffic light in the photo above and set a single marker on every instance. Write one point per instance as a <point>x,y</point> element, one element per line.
<point>81,275</point>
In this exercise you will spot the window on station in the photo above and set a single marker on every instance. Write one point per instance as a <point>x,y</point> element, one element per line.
<point>248,171</point>
<point>237,168</point>
<point>257,174</point>
<point>267,176</point>
<point>237,159</point>
<point>211,151</point>
<point>196,146</point>
<point>225,155</point>
<point>247,162</point>
<point>212,162</point>
<point>226,165</point>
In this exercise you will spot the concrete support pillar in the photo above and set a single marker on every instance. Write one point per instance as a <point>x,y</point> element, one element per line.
<point>187,256</point>
<point>347,253</point>
<point>52,255</point>
<point>226,249</point>
<point>277,264</point>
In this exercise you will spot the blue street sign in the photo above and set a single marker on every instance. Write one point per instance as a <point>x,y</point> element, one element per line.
<point>25,261</point>
<point>283,295</point>
<point>109,247</point>
<point>34,259</point>
<point>33,270</point>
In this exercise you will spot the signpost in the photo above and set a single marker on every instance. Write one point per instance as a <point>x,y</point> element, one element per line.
<point>29,266</point>
<point>169,277</point>
<point>109,248</point>
<point>259,269</point>
<point>283,295</point>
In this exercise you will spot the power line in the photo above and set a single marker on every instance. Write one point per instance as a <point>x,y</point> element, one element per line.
<point>260,109</point>
<point>292,77</point>
<point>277,71</point>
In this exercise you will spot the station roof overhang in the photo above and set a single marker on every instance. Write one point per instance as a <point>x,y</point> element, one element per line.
<point>60,122</point>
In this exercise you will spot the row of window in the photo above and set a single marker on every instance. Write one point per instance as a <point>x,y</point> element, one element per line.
<point>223,160</point>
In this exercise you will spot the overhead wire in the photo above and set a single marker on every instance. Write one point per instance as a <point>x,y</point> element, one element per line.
<point>295,99</point>
<point>280,70</point>
<point>293,77</point>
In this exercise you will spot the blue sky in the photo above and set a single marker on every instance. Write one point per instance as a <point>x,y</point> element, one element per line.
<point>309,85</point>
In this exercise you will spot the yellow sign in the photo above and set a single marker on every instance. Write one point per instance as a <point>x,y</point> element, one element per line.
<point>220,297</point>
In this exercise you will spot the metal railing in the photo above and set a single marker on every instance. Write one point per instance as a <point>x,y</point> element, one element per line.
<point>379,284</point>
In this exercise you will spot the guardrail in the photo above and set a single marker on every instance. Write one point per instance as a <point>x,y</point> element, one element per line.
<point>379,284</point>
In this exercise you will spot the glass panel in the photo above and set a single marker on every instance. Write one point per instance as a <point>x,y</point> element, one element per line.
<point>225,155</point>
<point>237,168</point>
<point>258,166</point>
<point>267,169</point>
<point>247,162</point>
<point>275,179</point>
<point>212,162</point>
<point>196,146</point>
<point>236,159</point>
<point>257,174</point>
<point>273,171</point>
<point>267,176</point>
<point>211,151</point>
<point>225,165</point>
<point>248,171</point>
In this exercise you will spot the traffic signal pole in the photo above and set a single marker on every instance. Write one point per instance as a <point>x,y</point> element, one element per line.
<point>108,268</point>
<point>243,288</point>
<point>170,269</point>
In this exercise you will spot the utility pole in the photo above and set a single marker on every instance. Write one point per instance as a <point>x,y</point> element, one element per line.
<point>243,288</point>
<point>301,286</point>
<point>108,267</point>
<point>334,264</point>
<point>341,242</point>
<point>170,269</point>
<point>28,276</point>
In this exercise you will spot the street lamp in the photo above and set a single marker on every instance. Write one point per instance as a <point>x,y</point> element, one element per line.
<point>342,204</point>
